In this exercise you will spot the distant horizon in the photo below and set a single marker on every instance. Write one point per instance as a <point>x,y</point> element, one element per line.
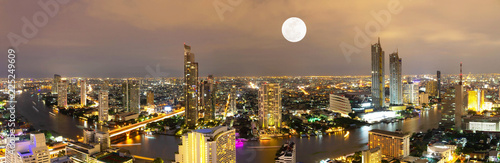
<point>131,38</point>
<point>442,74</point>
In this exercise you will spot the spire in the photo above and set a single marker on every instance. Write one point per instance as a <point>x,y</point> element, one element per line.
<point>379,40</point>
<point>461,73</point>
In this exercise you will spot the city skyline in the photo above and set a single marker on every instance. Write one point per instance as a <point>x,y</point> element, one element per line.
<point>122,44</point>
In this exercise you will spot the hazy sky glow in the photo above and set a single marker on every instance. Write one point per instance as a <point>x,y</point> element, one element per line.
<point>118,38</point>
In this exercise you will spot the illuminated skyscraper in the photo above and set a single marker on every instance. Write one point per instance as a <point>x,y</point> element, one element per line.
<point>207,98</point>
<point>270,107</point>
<point>378,79</point>
<point>190,87</point>
<point>448,111</point>
<point>216,145</point>
<point>476,100</point>
<point>396,83</point>
<point>55,83</point>
<point>103,105</point>
<point>83,92</point>
<point>150,98</point>
<point>131,99</point>
<point>62,94</point>
<point>232,104</point>
<point>431,88</point>
<point>410,93</point>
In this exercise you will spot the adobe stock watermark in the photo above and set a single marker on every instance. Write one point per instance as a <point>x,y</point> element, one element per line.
<point>155,73</point>
<point>40,19</point>
<point>11,107</point>
<point>222,7</point>
<point>362,38</point>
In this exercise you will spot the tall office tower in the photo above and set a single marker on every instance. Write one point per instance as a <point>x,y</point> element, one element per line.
<point>232,103</point>
<point>83,92</point>
<point>396,83</point>
<point>448,111</point>
<point>340,104</point>
<point>150,98</point>
<point>270,107</point>
<point>207,98</point>
<point>438,76</point>
<point>431,88</point>
<point>190,87</point>
<point>131,96</point>
<point>287,153</point>
<point>410,93</point>
<point>55,82</point>
<point>459,102</point>
<point>392,144</point>
<point>378,81</point>
<point>103,105</point>
<point>216,145</point>
<point>34,150</point>
<point>62,94</point>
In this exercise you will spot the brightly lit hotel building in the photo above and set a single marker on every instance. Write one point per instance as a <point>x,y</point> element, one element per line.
<point>270,107</point>
<point>211,145</point>
<point>392,144</point>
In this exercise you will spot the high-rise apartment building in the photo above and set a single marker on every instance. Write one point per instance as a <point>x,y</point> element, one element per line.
<point>396,82</point>
<point>448,111</point>
<point>83,92</point>
<point>34,150</point>
<point>410,93</point>
<point>270,107</point>
<point>103,105</point>
<point>340,105</point>
<point>207,98</point>
<point>62,94</point>
<point>190,87</point>
<point>378,77</point>
<point>55,83</point>
<point>216,145</point>
<point>131,96</point>
<point>391,144</point>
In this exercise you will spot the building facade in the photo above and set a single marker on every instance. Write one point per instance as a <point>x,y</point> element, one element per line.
<point>55,83</point>
<point>270,107</point>
<point>62,94</point>
<point>34,150</point>
<point>216,145</point>
<point>378,76</point>
<point>131,99</point>
<point>410,93</point>
<point>340,104</point>
<point>396,82</point>
<point>391,144</point>
<point>190,87</point>
<point>287,153</point>
<point>103,105</point>
<point>207,98</point>
<point>373,155</point>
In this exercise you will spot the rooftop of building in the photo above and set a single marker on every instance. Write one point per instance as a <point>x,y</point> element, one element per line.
<point>114,158</point>
<point>390,133</point>
<point>209,130</point>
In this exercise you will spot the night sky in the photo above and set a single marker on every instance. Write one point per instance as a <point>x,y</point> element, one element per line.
<point>123,38</point>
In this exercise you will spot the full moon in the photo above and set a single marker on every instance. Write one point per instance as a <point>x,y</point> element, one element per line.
<point>294,29</point>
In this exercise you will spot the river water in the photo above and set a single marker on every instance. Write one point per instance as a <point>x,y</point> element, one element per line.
<point>310,149</point>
